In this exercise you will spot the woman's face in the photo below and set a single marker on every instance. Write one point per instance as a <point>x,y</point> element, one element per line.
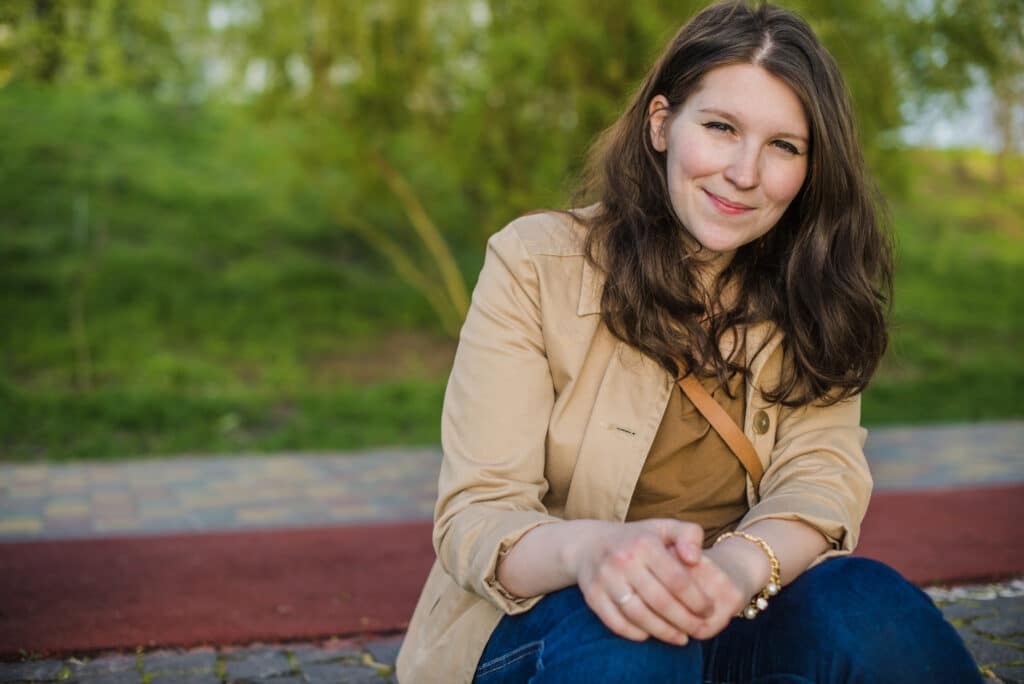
<point>736,155</point>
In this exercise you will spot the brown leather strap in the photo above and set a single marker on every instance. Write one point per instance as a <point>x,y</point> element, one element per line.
<point>725,426</point>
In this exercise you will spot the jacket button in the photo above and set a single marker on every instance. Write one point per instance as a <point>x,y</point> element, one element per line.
<point>761,422</point>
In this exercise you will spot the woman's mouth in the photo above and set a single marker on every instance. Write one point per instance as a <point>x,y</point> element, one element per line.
<point>725,206</point>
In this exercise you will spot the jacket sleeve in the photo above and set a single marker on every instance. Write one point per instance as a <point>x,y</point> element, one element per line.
<point>818,474</point>
<point>494,422</point>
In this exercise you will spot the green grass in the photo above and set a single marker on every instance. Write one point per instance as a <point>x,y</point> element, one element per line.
<point>958,327</point>
<point>172,280</point>
<point>111,424</point>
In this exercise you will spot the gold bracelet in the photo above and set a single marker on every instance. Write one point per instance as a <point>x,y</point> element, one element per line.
<point>760,600</point>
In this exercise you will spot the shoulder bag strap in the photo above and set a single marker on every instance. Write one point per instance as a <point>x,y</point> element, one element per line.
<point>725,426</point>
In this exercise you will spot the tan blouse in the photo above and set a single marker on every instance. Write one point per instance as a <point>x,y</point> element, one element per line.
<point>690,473</point>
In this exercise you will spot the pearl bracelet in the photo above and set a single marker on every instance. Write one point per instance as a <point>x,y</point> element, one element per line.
<point>760,600</point>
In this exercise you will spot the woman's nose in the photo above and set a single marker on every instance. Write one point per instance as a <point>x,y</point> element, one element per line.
<point>743,171</point>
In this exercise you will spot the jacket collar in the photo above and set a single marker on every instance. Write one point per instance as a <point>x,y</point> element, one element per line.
<point>591,287</point>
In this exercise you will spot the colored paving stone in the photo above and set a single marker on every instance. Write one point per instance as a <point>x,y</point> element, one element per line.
<point>116,524</point>
<point>70,527</point>
<point>29,473</point>
<point>67,509</point>
<point>158,512</point>
<point>25,491</point>
<point>112,497</point>
<point>66,487</point>
<point>937,456</point>
<point>259,515</point>
<point>20,526</point>
<point>354,512</point>
<point>190,494</point>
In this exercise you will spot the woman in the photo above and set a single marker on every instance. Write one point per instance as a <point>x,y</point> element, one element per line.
<point>597,520</point>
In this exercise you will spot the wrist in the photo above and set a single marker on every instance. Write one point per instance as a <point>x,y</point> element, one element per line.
<point>743,562</point>
<point>580,544</point>
<point>759,602</point>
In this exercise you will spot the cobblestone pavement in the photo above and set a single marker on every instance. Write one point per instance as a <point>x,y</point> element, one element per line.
<point>990,618</point>
<point>329,662</point>
<point>55,501</point>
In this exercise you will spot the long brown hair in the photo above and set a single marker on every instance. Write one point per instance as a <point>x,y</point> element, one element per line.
<point>822,276</point>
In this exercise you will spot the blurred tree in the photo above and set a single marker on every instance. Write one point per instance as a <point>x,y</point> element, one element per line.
<point>417,119</point>
<point>962,43</point>
<point>139,44</point>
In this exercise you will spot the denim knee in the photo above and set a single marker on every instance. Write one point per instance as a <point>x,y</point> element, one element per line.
<point>868,623</point>
<point>567,642</point>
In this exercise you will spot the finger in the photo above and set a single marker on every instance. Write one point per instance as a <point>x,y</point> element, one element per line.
<point>665,605</point>
<point>636,611</point>
<point>725,596</point>
<point>688,551</point>
<point>678,580</point>
<point>686,537</point>
<point>609,614</point>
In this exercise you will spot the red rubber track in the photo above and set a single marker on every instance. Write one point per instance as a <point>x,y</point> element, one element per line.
<point>82,595</point>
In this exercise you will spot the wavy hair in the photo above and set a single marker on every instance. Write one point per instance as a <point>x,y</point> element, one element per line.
<point>822,276</point>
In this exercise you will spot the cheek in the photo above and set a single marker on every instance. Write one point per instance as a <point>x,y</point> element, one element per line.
<point>785,185</point>
<point>693,159</point>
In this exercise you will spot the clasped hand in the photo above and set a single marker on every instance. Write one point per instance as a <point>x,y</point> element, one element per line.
<point>650,578</point>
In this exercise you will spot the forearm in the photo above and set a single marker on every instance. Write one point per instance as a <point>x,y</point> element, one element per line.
<point>544,559</point>
<point>795,544</point>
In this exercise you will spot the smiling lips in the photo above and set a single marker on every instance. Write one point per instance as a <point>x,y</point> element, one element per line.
<point>727,207</point>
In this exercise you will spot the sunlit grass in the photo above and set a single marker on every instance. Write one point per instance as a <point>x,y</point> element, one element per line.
<point>959,318</point>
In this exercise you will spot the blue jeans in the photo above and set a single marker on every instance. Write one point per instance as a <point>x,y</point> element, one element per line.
<point>845,620</point>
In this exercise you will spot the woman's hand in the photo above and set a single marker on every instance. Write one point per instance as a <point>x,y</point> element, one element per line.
<point>724,592</point>
<point>648,578</point>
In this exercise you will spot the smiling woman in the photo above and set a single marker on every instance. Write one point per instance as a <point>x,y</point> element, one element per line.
<point>733,166</point>
<point>653,461</point>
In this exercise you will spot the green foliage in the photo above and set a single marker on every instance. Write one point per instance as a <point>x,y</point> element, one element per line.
<point>106,43</point>
<point>172,248</point>
<point>191,253</point>
<point>959,319</point>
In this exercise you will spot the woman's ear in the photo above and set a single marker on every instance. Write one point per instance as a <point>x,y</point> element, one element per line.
<point>657,117</point>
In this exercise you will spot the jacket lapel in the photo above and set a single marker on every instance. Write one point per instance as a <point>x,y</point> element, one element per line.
<point>627,411</point>
<point>591,288</point>
<point>632,395</point>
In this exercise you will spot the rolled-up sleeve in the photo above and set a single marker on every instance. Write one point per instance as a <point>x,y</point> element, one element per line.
<point>818,474</point>
<point>495,417</point>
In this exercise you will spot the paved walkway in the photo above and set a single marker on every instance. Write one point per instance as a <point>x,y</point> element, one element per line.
<point>48,501</point>
<point>198,494</point>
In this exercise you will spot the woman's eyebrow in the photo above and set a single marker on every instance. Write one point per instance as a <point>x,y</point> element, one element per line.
<point>726,115</point>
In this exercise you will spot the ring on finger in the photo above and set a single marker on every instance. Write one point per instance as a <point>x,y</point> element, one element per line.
<point>620,601</point>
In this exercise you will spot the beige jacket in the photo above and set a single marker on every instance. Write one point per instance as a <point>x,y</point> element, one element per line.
<point>547,417</point>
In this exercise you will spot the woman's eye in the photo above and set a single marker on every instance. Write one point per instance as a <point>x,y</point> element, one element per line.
<point>719,126</point>
<point>788,147</point>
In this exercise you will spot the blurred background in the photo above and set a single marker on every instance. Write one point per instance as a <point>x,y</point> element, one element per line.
<point>235,225</point>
